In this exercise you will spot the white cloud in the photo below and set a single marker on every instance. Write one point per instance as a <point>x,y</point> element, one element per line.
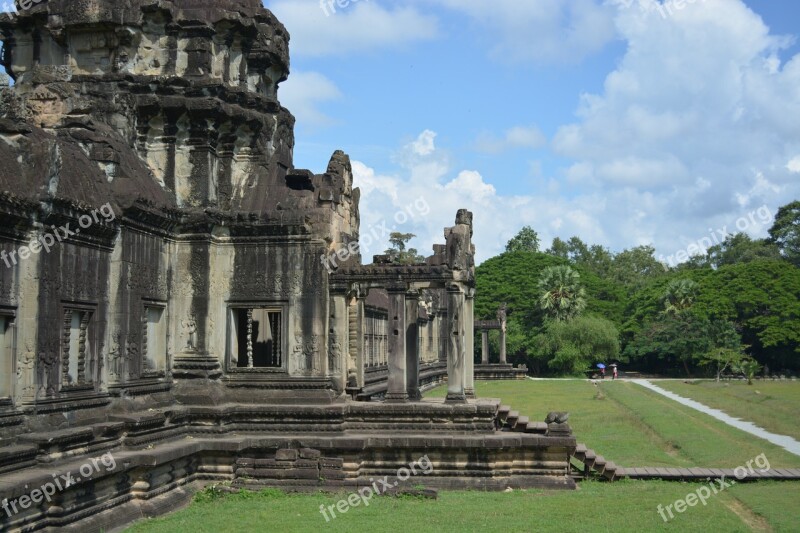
<point>425,143</point>
<point>362,26</point>
<point>693,128</point>
<point>541,31</point>
<point>516,137</point>
<point>303,93</point>
<point>431,178</point>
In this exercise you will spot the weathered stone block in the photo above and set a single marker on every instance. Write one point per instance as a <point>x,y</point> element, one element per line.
<point>286,455</point>
<point>308,453</point>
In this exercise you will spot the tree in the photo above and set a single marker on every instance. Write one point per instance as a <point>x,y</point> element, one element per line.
<point>569,347</point>
<point>785,232</point>
<point>561,295</point>
<point>740,248</point>
<point>637,267</point>
<point>673,339</point>
<point>679,296</point>
<point>527,240</point>
<point>577,250</point>
<point>398,252</point>
<point>750,368</point>
<point>559,248</point>
<point>727,351</point>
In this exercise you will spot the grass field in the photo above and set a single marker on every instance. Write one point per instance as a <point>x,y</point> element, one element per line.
<point>772,405</point>
<point>633,426</point>
<point>622,506</point>
<point>623,421</point>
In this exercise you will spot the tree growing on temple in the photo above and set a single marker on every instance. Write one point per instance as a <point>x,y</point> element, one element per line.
<point>399,253</point>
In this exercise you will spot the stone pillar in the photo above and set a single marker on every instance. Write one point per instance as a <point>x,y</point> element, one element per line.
<point>501,317</point>
<point>484,347</point>
<point>456,348</point>
<point>356,331</point>
<point>397,390</point>
<point>469,343</point>
<point>503,343</point>
<point>413,345</point>
<point>338,337</point>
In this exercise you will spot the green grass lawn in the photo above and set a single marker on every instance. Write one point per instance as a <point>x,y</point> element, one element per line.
<point>623,421</point>
<point>633,426</point>
<point>621,506</point>
<point>772,405</point>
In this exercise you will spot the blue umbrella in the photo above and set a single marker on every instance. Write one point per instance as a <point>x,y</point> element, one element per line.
<point>600,365</point>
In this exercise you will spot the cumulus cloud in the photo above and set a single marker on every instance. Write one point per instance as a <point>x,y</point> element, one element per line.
<point>388,200</point>
<point>361,26</point>
<point>694,126</point>
<point>303,93</point>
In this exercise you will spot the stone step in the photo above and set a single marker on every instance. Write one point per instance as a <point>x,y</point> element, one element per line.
<point>589,455</point>
<point>536,427</point>
<point>580,448</point>
<point>511,419</point>
<point>599,464</point>
<point>503,411</point>
<point>522,424</point>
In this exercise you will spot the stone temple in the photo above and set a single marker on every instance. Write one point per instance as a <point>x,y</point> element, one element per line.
<point>162,297</point>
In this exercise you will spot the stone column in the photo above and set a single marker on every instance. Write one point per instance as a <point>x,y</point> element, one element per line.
<point>355,365</point>
<point>412,345</point>
<point>484,347</point>
<point>501,317</point>
<point>469,343</point>
<point>338,337</point>
<point>503,343</point>
<point>397,390</point>
<point>456,346</point>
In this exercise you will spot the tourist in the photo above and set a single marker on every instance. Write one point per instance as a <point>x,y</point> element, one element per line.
<point>614,375</point>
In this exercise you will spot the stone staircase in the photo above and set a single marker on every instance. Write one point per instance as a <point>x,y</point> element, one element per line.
<point>597,463</point>
<point>510,420</point>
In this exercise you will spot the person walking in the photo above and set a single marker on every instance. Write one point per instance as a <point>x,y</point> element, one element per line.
<point>614,370</point>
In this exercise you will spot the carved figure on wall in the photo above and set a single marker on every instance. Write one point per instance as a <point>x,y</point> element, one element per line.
<point>190,326</point>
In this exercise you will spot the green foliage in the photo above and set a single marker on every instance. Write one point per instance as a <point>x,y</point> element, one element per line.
<point>679,296</point>
<point>561,296</point>
<point>527,240</point>
<point>727,351</point>
<point>785,232</point>
<point>740,248</point>
<point>569,347</point>
<point>750,368</point>
<point>637,267</point>
<point>398,252</point>
<point>513,278</point>
<point>673,338</point>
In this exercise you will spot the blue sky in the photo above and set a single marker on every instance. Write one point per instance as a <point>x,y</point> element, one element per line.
<point>624,122</point>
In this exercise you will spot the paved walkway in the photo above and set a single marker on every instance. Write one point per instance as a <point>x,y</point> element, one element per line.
<point>697,474</point>
<point>787,443</point>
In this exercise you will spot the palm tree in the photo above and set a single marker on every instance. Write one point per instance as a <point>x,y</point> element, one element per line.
<point>561,296</point>
<point>680,296</point>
